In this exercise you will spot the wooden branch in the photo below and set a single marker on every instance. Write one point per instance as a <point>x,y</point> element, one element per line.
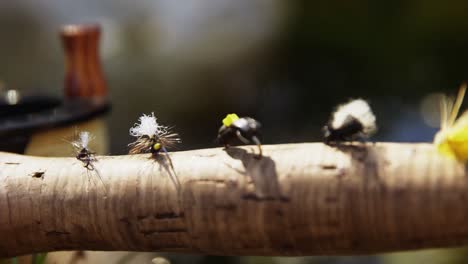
<point>300,199</point>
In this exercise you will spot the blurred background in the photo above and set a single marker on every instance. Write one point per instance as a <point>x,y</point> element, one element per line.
<point>285,63</point>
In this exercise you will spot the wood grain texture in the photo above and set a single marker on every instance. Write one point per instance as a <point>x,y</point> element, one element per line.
<point>300,199</point>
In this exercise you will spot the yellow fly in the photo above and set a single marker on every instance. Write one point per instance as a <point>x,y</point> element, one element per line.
<point>452,139</point>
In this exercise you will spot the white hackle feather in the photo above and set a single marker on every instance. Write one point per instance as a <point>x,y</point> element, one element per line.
<point>84,137</point>
<point>147,126</point>
<point>358,109</point>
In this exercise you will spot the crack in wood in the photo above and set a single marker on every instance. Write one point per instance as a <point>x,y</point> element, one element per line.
<point>158,216</point>
<point>328,166</point>
<point>56,233</point>
<point>165,231</point>
<point>38,174</point>
<point>254,197</point>
<point>174,230</point>
<point>169,215</point>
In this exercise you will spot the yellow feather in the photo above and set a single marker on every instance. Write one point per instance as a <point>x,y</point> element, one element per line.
<point>445,149</point>
<point>452,139</point>
<point>457,138</point>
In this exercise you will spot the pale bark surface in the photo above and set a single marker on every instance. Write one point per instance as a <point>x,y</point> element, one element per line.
<point>300,199</point>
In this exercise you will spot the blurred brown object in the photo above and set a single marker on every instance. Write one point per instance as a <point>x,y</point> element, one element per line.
<point>84,78</point>
<point>83,72</point>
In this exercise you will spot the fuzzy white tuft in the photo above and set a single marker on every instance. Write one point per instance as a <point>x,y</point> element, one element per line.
<point>147,127</point>
<point>85,137</point>
<point>82,142</point>
<point>358,109</point>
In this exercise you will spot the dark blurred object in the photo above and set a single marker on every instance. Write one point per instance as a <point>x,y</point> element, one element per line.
<point>21,116</point>
<point>47,112</point>
<point>31,113</point>
<point>83,73</point>
<point>12,103</point>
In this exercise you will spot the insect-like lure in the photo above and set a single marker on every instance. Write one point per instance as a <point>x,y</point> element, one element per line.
<point>452,139</point>
<point>84,154</point>
<point>351,121</point>
<point>245,129</point>
<point>151,137</point>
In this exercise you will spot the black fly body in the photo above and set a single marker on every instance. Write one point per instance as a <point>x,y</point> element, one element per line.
<point>351,121</point>
<point>246,129</point>
<point>87,157</point>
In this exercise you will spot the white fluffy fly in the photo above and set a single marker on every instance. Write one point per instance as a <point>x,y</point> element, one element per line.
<point>84,137</point>
<point>147,127</point>
<point>358,109</point>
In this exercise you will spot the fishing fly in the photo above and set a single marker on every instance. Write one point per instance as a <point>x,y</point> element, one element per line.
<point>85,154</point>
<point>152,137</point>
<point>351,121</point>
<point>246,129</point>
<point>452,139</point>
